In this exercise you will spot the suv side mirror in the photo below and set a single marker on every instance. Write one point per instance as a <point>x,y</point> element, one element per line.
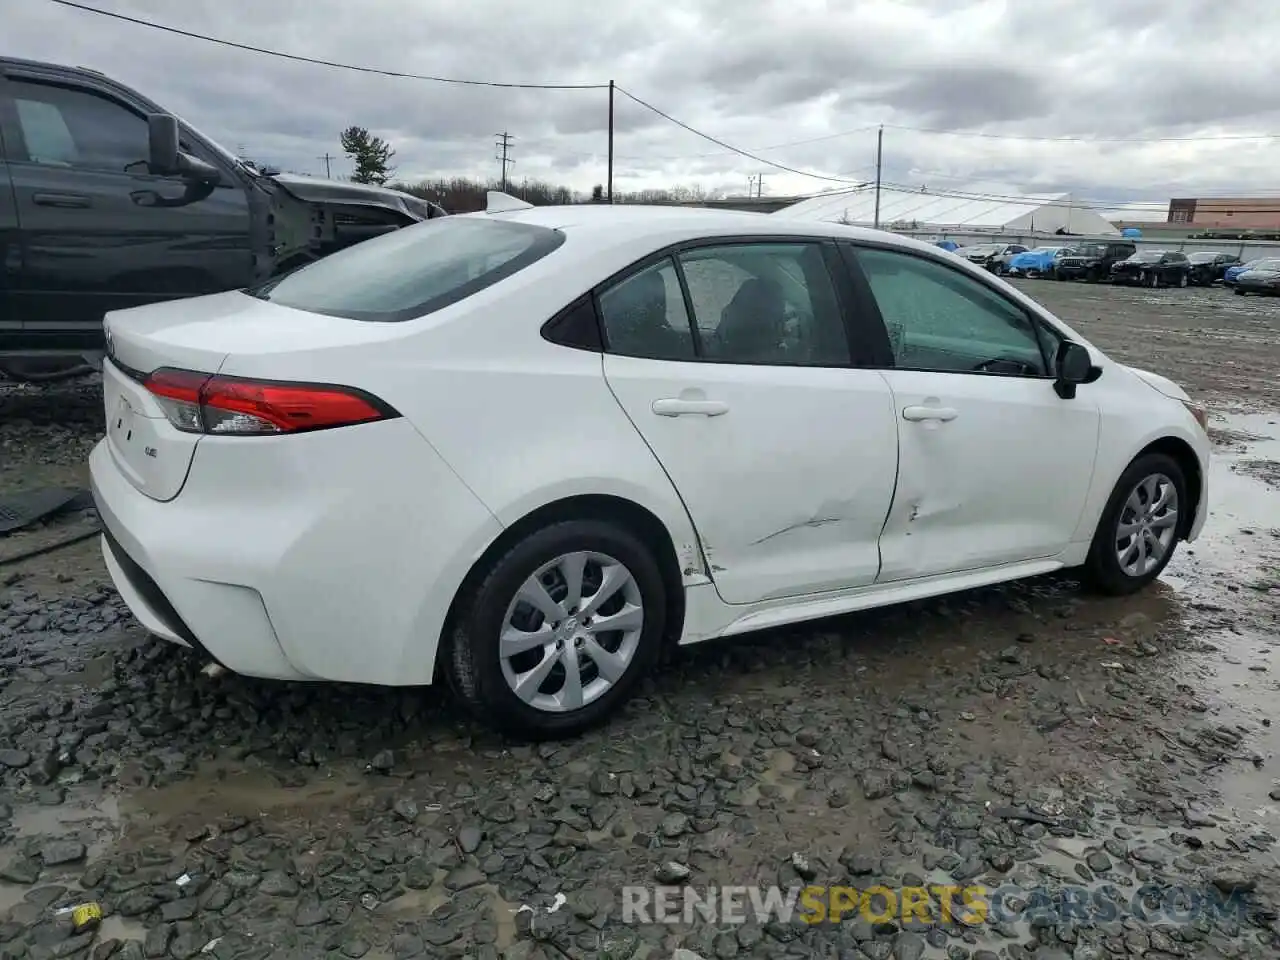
<point>1073,367</point>
<point>162,144</point>
<point>166,159</point>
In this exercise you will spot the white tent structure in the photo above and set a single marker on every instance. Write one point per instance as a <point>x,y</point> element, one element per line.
<point>911,211</point>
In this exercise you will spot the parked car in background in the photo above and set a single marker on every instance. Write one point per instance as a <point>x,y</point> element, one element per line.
<point>1092,260</point>
<point>991,256</point>
<point>1037,262</point>
<point>258,442</point>
<point>1209,266</point>
<point>949,245</point>
<point>1262,277</point>
<point>1230,274</point>
<point>1153,268</point>
<point>108,202</point>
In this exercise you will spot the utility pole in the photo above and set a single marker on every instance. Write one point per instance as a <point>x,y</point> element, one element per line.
<point>328,170</point>
<point>608,190</point>
<point>504,144</point>
<point>759,184</point>
<point>879,156</point>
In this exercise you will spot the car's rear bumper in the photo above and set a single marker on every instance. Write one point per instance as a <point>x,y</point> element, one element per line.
<point>310,557</point>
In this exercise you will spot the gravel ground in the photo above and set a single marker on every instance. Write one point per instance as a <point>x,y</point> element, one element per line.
<point>1028,738</point>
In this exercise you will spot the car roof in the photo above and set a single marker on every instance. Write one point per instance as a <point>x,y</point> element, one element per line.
<point>638,221</point>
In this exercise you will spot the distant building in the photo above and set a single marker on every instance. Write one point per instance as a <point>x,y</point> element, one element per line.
<point>1234,213</point>
<point>915,211</point>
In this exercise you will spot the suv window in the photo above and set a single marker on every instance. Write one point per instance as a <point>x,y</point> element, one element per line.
<point>414,271</point>
<point>765,303</point>
<point>942,320</point>
<point>644,315</point>
<point>65,127</point>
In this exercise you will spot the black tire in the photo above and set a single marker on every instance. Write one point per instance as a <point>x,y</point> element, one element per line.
<point>1153,280</point>
<point>1102,571</point>
<point>1238,292</point>
<point>472,662</point>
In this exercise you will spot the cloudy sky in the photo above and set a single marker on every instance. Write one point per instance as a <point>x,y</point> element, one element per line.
<point>803,83</point>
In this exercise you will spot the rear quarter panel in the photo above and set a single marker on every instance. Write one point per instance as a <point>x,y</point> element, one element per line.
<point>521,421</point>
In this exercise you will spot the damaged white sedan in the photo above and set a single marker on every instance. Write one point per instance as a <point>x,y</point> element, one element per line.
<point>522,450</point>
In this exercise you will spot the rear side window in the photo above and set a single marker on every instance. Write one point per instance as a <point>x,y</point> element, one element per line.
<point>413,271</point>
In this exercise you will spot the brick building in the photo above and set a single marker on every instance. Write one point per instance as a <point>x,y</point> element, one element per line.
<point>1238,213</point>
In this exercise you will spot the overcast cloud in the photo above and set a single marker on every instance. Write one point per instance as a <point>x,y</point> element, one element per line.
<point>755,74</point>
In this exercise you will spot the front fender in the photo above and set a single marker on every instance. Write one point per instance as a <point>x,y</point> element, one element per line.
<point>1133,420</point>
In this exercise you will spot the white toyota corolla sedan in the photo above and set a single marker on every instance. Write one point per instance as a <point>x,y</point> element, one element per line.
<point>522,450</point>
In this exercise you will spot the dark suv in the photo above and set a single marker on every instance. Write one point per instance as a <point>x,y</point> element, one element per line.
<point>1153,268</point>
<point>1092,260</point>
<point>108,202</point>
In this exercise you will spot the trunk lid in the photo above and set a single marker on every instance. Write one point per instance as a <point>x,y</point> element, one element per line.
<point>198,334</point>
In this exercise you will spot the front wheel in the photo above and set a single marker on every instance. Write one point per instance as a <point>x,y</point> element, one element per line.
<point>1140,526</point>
<point>559,631</point>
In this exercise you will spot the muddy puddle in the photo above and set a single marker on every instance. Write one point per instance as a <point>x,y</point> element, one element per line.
<point>1229,582</point>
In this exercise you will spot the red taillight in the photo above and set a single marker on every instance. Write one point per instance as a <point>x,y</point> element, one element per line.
<point>201,403</point>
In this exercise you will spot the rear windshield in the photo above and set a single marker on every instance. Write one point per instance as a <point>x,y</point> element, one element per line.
<point>413,271</point>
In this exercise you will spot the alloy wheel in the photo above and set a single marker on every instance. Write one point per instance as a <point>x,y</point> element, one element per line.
<point>571,631</point>
<point>1147,525</point>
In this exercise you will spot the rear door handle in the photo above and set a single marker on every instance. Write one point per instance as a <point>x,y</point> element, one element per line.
<point>70,200</point>
<point>675,407</point>
<point>917,414</point>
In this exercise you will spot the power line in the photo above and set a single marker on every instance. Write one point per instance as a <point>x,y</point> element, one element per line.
<point>730,147</point>
<point>325,63</point>
<point>1078,139</point>
<point>1028,201</point>
<point>1082,204</point>
<point>717,153</point>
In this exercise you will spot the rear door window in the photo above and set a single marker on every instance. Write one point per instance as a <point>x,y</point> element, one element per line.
<point>413,271</point>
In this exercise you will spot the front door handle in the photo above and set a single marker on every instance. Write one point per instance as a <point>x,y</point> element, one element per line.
<point>676,407</point>
<point>76,201</point>
<point>917,414</point>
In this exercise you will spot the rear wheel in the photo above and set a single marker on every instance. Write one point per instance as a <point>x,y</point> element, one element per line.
<point>1140,526</point>
<point>1239,292</point>
<point>1153,280</point>
<point>1033,274</point>
<point>560,629</point>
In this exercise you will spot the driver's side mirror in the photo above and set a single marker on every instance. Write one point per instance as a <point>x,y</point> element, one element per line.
<point>162,144</point>
<point>164,156</point>
<point>1073,367</point>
